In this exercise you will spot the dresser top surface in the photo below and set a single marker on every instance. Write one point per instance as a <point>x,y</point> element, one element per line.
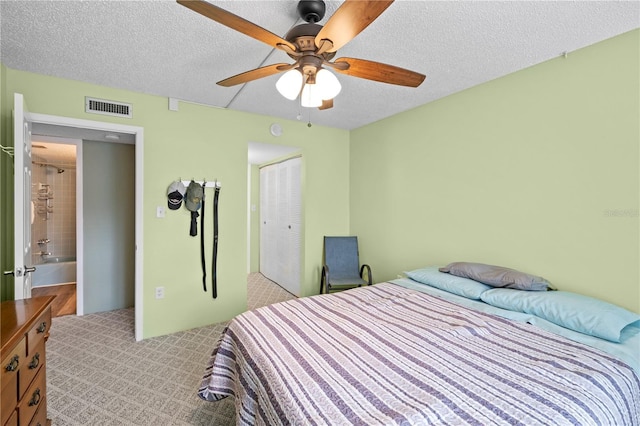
<point>17,316</point>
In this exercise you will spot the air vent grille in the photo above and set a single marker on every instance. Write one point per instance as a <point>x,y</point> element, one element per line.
<point>104,107</point>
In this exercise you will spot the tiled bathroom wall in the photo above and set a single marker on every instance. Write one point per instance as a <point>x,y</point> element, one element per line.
<point>62,222</point>
<point>54,211</point>
<point>39,224</point>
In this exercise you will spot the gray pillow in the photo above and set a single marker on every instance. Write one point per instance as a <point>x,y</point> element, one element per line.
<point>497,276</point>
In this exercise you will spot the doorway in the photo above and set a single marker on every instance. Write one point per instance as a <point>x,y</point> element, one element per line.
<point>280,223</point>
<point>64,127</point>
<point>260,154</point>
<point>53,228</point>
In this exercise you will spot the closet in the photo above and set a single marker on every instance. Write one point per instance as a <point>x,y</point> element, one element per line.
<point>280,223</point>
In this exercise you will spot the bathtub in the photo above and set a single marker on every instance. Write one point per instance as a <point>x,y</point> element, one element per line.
<point>55,270</point>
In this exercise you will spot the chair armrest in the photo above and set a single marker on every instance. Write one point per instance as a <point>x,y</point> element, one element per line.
<point>325,272</point>
<point>324,279</point>
<point>369,277</point>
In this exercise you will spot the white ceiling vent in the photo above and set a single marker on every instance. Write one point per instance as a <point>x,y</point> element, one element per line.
<point>101,106</point>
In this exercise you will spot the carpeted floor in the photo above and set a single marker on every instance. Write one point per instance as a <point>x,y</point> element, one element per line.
<point>97,374</point>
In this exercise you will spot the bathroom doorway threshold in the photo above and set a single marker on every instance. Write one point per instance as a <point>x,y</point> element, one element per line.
<point>65,301</point>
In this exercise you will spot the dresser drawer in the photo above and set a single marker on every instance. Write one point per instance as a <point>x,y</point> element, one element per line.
<point>9,392</point>
<point>33,398</point>
<point>13,420</point>
<point>40,418</point>
<point>24,330</point>
<point>32,365</point>
<point>39,332</point>
<point>11,363</point>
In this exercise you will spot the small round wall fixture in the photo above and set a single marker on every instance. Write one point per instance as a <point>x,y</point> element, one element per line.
<point>276,129</point>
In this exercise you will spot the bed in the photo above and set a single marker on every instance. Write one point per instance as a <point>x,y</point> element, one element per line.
<point>405,353</point>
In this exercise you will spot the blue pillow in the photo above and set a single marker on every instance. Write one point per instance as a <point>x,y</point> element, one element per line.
<point>570,310</point>
<point>450,283</point>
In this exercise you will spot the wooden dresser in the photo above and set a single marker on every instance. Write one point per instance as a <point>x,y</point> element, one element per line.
<point>24,328</point>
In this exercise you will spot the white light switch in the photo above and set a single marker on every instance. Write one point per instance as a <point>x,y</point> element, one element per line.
<point>160,211</point>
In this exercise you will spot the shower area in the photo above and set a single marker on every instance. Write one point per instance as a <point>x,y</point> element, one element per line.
<point>53,223</point>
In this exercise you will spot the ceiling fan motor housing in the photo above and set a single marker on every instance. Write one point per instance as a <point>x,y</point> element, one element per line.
<point>303,36</point>
<point>311,10</point>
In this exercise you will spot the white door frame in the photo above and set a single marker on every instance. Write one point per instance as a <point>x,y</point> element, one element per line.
<point>138,133</point>
<point>23,213</point>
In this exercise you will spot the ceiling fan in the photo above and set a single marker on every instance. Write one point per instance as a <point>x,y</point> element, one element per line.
<point>313,46</point>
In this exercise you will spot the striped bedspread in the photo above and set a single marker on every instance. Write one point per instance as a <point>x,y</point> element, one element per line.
<point>387,355</point>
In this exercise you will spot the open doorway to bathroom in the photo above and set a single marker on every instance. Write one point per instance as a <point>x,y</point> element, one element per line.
<point>88,253</point>
<point>53,223</point>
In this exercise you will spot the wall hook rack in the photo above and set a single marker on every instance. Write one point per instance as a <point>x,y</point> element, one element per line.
<point>203,182</point>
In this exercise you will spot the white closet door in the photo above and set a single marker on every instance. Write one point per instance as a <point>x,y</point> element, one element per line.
<point>268,221</point>
<point>294,226</point>
<point>280,223</point>
<point>263,221</point>
<point>282,236</point>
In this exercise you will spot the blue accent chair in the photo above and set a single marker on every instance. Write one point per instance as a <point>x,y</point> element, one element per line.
<point>341,269</point>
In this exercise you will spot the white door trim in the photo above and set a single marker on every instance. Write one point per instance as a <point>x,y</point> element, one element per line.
<point>138,133</point>
<point>22,210</point>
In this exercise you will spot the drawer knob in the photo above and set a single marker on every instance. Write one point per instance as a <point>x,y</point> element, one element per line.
<point>35,398</point>
<point>13,364</point>
<point>35,361</point>
<point>42,327</point>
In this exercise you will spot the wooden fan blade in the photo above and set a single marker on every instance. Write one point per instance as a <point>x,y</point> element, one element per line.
<point>326,104</point>
<point>236,23</point>
<point>377,71</point>
<point>255,74</point>
<point>348,21</point>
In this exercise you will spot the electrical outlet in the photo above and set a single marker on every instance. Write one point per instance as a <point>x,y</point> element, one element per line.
<point>159,292</point>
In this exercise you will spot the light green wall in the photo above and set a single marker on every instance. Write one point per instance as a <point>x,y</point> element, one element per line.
<point>6,193</point>
<point>538,171</point>
<point>202,142</point>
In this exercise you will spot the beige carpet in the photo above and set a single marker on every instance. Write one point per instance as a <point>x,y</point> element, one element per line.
<point>97,374</point>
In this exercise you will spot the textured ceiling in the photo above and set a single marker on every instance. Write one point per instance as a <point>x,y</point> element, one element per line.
<point>161,48</point>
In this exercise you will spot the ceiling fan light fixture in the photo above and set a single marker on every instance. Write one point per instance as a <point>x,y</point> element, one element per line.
<point>311,96</point>
<point>289,84</point>
<point>313,46</point>
<point>325,87</point>
<point>328,84</point>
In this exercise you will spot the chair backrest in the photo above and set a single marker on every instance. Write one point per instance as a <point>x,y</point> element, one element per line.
<point>341,256</point>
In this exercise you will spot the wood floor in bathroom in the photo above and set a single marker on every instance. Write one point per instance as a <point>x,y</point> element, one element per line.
<point>65,301</point>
